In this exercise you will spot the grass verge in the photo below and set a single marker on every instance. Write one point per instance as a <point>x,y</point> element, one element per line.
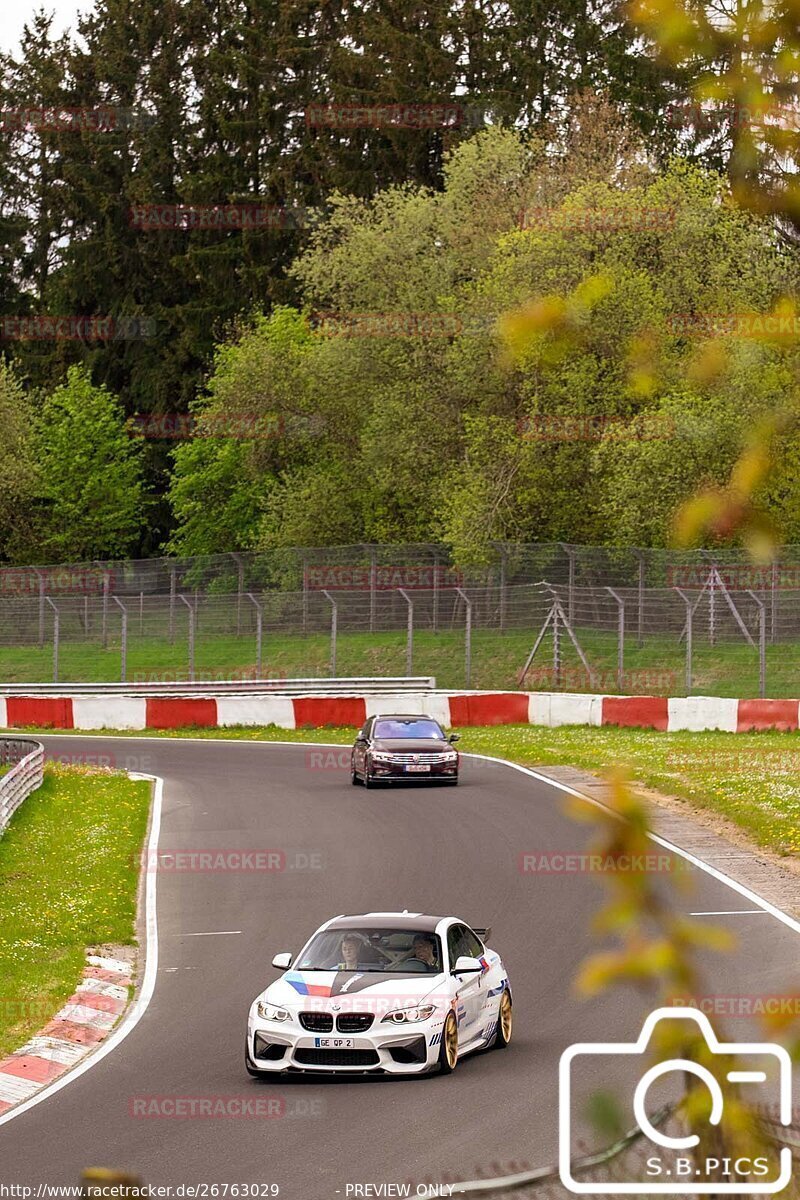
<point>68,880</point>
<point>751,779</point>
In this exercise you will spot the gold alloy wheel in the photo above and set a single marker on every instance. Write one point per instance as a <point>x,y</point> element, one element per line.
<point>506,1017</point>
<point>451,1041</point>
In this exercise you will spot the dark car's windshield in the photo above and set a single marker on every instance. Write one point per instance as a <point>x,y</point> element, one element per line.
<point>398,727</point>
<point>373,949</point>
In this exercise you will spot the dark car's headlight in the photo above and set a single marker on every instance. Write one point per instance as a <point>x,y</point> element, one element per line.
<point>382,756</point>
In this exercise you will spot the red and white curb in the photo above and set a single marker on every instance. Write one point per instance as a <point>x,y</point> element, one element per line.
<point>85,1020</point>
<point>668,714</point>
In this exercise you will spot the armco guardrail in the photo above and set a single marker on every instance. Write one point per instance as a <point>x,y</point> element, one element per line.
<point>279,687</point>
<point>24,777</point>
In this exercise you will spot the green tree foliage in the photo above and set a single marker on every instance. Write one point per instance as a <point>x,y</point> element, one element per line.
<point>420,424</point>
<point>89,493</point>
<point>17,463</point>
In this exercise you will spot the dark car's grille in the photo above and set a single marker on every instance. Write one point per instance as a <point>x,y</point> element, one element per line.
<point>354,1022</point>
<point>421,756</point>
<point>316,1022</point>
<point>337,1058</point>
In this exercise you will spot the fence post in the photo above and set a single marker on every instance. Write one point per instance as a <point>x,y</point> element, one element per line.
<point>436,591</point>
<point>106,582</point>
<point>56,637</point>
<point>409,630</point>
<point>259,629</point>
<point>640,613</point>
<point>570,553</point>
<point>689,615</point>
<point>556,648</point>
<point>141,613</point>
<point>762,645</point>
<point>237,558</point>
<point>41,609</point>
<point>305,594</point>
<point>774,607</point>
<point>124,649</point>
<point>467,637</point>
<point>172,590</point>
<point>190,607</point>
<point>334,623</point>
<point>620,640</point>
<point>373,584</point>
<point>503,585</point>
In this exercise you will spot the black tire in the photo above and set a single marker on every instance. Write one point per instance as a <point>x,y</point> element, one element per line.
<point>248,1064</point>
<point>448,1051</point>
<point>353,776</point>
<point>505,1021</point>
<point>369,782</point>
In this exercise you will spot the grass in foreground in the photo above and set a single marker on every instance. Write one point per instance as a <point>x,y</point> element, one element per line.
<point>752,779</point>
<point>68,879</point>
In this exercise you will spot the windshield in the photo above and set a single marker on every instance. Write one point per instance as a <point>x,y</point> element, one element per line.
<point>397,727</point>
<point>373,950</point>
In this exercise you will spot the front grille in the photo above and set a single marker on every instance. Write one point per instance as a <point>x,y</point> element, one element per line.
<point>337,1058</point>
<point>316,1022</point>
<point>354,1022</point>
<point>421,757</point>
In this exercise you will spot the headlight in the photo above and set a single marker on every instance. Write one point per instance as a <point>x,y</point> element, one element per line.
<point>380,756</point>
<point>270,1012</point>
<point>403,1016</point>
<point>451,756</point>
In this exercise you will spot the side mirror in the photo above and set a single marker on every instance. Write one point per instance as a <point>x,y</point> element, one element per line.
<point>282,961</point>
<point>454,737</point>
<point>466,965</point>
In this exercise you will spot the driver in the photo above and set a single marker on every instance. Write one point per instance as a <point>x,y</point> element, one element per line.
<point>424,948</point>
<point>351,948</point>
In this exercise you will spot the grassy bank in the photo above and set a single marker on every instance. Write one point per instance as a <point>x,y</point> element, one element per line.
<point>68,879</point>
<point>657,668</point>
<point>752,779</point>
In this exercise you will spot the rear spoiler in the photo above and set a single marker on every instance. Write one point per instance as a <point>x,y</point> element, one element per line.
<point>483,934</point>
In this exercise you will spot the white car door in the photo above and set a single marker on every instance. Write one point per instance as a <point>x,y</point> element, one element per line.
<point>469,997</point>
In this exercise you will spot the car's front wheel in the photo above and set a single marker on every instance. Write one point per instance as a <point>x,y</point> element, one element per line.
<point>353,776</point>
<point>369,782</point>
<point>505,1020</point>
<point>448,1053</point>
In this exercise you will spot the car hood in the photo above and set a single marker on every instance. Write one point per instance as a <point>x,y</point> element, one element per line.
<point>352,991</point>
<point>411,745</point>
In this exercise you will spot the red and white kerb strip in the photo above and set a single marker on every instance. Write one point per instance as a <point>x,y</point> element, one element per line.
<point>85,1020</point>
<point>109,711</point>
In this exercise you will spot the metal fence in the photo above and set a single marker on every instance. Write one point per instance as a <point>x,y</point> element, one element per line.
<point>25,775</point>
<point>627,620</point>
<point>707,637</point>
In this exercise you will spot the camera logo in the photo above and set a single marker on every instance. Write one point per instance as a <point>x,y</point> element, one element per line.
<point>669,1170</point>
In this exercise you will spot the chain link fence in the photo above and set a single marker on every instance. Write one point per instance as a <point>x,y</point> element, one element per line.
<point>593,619</point>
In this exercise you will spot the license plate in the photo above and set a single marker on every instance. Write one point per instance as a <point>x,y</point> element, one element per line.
<point>335,1043</point>
<point>418,767</point>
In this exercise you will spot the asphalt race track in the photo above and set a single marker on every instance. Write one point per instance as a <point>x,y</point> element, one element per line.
<point>448,850</point>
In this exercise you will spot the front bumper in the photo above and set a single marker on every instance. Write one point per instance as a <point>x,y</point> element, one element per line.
<point>404,772</point>
<point>388,1050</point>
